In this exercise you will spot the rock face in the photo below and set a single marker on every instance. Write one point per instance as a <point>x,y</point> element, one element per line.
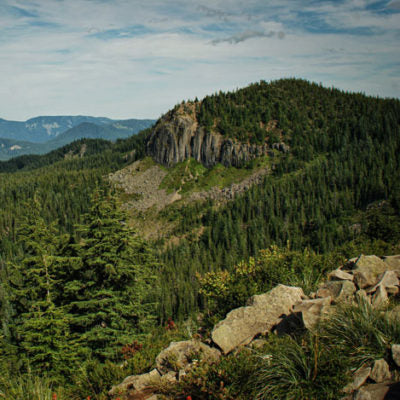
<point>177,137</point>
<point>263,312</point>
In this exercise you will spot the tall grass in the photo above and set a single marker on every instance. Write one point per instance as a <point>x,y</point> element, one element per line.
<point>363,332</point>
<point>30,387</point>
<point>298,370</point>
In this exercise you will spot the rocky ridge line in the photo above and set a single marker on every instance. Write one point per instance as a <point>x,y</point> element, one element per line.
<point>369,278</point>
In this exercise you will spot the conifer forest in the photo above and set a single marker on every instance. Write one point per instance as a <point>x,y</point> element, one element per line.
<point>92,289</point>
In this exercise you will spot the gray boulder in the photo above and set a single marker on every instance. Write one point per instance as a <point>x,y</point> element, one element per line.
<point>312,310</point>
<point>359,378</point>
<point>362,296</point>
<point>372,392</point>
<point>380,297</point>
<point>396,354</point>
<point>367,270</point>
<point>338,274</point>
<point>380,371</point>
<point>135,383</point>
<point>338,290</point>
<point>393,262</point>
<point>389,281</point>
<point>262,313</point>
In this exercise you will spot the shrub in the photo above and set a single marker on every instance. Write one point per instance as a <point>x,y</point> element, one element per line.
<point>226,380</point>
<point>225,290</point>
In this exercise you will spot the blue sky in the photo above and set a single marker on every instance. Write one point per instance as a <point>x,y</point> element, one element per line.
<point>137,59</point>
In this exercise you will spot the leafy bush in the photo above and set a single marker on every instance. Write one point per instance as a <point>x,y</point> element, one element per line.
<point>226,380</point>
<point>224,290</point>
<point>95,379</point>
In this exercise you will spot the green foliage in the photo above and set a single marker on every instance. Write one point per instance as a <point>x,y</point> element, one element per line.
<point>361,331</point>
<point>31,387</point>
<point>225,290</point>
<point>111,295</point>
<point>308,370</point>
<point>381,221</point>
<point>41,326</point>
<point>89,289</point>
<point>73,300</point>
<point>94,379</point>
<point>191,176</point>
<point>227,379</point>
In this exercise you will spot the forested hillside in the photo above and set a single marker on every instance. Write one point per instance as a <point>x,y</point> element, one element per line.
<point>73,270</point>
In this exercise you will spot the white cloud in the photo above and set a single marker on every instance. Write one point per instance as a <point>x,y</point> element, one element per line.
<point>128,58</point>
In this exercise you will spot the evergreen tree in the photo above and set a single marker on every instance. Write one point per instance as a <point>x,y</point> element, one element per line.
<point>41,329</point>
<point>110,295</point>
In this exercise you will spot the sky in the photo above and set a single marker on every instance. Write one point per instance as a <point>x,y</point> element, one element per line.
<point>137,59</point>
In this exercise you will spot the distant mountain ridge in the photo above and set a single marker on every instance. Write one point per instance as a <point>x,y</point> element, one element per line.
<point>43,134</point>
<point>43,128</point>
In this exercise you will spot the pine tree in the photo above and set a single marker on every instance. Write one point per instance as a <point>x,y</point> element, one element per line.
<point>111,293</point>
<point>42,327</point>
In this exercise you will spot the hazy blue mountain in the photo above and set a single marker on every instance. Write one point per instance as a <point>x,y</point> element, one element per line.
<point>43,129</point>
<point>104,128</point>
<point>88,130</point>
<point>12,148</point>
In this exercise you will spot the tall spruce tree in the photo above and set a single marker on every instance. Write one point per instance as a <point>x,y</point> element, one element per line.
<point>41,328</point>
<point>110,295</point>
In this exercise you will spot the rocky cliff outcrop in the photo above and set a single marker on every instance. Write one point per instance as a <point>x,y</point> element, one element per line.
<point>177,136</point>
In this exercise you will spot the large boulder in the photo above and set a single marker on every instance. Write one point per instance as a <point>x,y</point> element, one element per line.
<point>373,391</point>
<point>181,355</point>
<point>338,274</point>
<point>380,298</point>
<point>339,291</point>
<point>380,371</point>
<point>262,313</point>
<point>393,263</point>
<point>311,311</point>
<point>389,281</point>
<point>367,270</point>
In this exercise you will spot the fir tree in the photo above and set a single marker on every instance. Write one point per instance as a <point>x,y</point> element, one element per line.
<point>111,293</point>
<point>42,327</point>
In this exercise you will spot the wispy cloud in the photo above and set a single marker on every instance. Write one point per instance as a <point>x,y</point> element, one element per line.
<point>129,58</point>
<point>394,4</point>
<point>241,37</point>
